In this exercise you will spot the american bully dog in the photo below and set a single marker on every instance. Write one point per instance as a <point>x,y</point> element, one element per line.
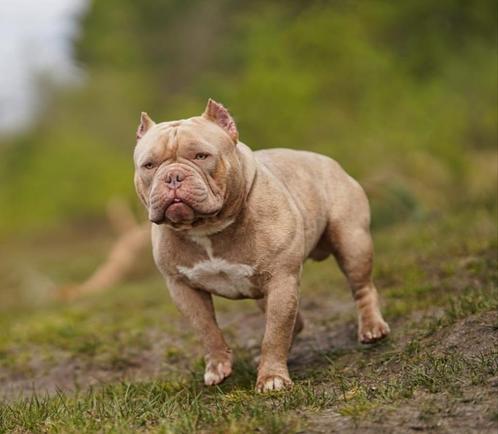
<point>235,223</point>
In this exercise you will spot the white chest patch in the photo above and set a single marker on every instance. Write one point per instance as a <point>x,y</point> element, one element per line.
<point>217,275</point>
<point>221,277</point>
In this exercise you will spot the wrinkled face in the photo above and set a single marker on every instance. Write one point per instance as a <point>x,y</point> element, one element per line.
<point>182,170</point>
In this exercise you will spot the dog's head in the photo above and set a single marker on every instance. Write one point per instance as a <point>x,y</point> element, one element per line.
<point>188,173</point>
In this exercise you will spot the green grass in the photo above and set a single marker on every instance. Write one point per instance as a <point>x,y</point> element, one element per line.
<point>161,405</point>
<point>186,405</point>
<point>430,288</point>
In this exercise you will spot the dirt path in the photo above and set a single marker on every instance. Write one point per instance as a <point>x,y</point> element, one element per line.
<point>329,337</point>
<point>159,357</point>
<point>472,409</point>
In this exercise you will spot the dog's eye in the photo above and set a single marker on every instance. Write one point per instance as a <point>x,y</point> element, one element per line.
<point>148,165</point>
<point>201,156</point>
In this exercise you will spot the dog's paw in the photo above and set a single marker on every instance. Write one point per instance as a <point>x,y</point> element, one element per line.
<point>373,330</point>
<point>268,383</point>
<point>217,371</point>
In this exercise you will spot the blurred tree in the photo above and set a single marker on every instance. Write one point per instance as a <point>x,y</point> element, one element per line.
<point>403,94</point>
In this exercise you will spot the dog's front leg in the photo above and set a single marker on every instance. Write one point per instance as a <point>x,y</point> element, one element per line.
<point>197,307</point>
<point>281,311</point>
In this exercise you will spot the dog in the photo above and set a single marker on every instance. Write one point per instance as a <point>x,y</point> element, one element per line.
<point>239,224</point>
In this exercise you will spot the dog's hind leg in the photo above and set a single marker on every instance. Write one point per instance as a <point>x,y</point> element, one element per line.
<point>350,241</point>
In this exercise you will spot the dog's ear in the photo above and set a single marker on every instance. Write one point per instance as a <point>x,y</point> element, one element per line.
<point>146,123</point>
<point>218,114</point>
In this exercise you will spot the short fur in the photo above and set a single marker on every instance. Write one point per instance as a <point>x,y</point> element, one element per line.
<point>240,224</point>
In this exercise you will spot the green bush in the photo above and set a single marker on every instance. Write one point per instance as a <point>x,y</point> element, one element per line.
<point>402,94</point>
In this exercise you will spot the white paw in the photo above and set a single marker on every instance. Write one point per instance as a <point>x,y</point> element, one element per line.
<point>216,372</point>
<point>270,383</point>
<point>373,330</point>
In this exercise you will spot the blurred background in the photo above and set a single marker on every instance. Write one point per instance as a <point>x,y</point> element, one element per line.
<point>402,94</point>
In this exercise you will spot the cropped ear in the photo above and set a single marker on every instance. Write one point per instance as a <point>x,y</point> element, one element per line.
<point>146,123</point>
<point>218,114</point>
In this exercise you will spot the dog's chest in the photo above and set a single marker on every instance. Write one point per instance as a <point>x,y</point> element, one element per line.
<point>219,276</point>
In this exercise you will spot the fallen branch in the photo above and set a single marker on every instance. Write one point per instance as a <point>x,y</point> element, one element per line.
<point>133,238</point>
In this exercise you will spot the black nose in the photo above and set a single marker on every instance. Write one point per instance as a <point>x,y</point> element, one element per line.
<point>174,178</point>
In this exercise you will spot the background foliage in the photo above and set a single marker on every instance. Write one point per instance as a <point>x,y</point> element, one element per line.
<point>403,94</point>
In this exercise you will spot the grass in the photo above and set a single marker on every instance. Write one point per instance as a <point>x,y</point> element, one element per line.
<point>186,406</point>
<point>440,296</point>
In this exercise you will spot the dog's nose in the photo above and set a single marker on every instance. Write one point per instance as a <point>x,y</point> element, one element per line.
<point>174,178</point>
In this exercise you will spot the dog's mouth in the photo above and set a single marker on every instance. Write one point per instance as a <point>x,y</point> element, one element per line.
<point>176,211</point>
<point>181,207</point>
<point>179,212</point>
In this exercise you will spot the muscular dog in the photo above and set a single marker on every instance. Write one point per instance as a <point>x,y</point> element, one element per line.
<point>239,224</point>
